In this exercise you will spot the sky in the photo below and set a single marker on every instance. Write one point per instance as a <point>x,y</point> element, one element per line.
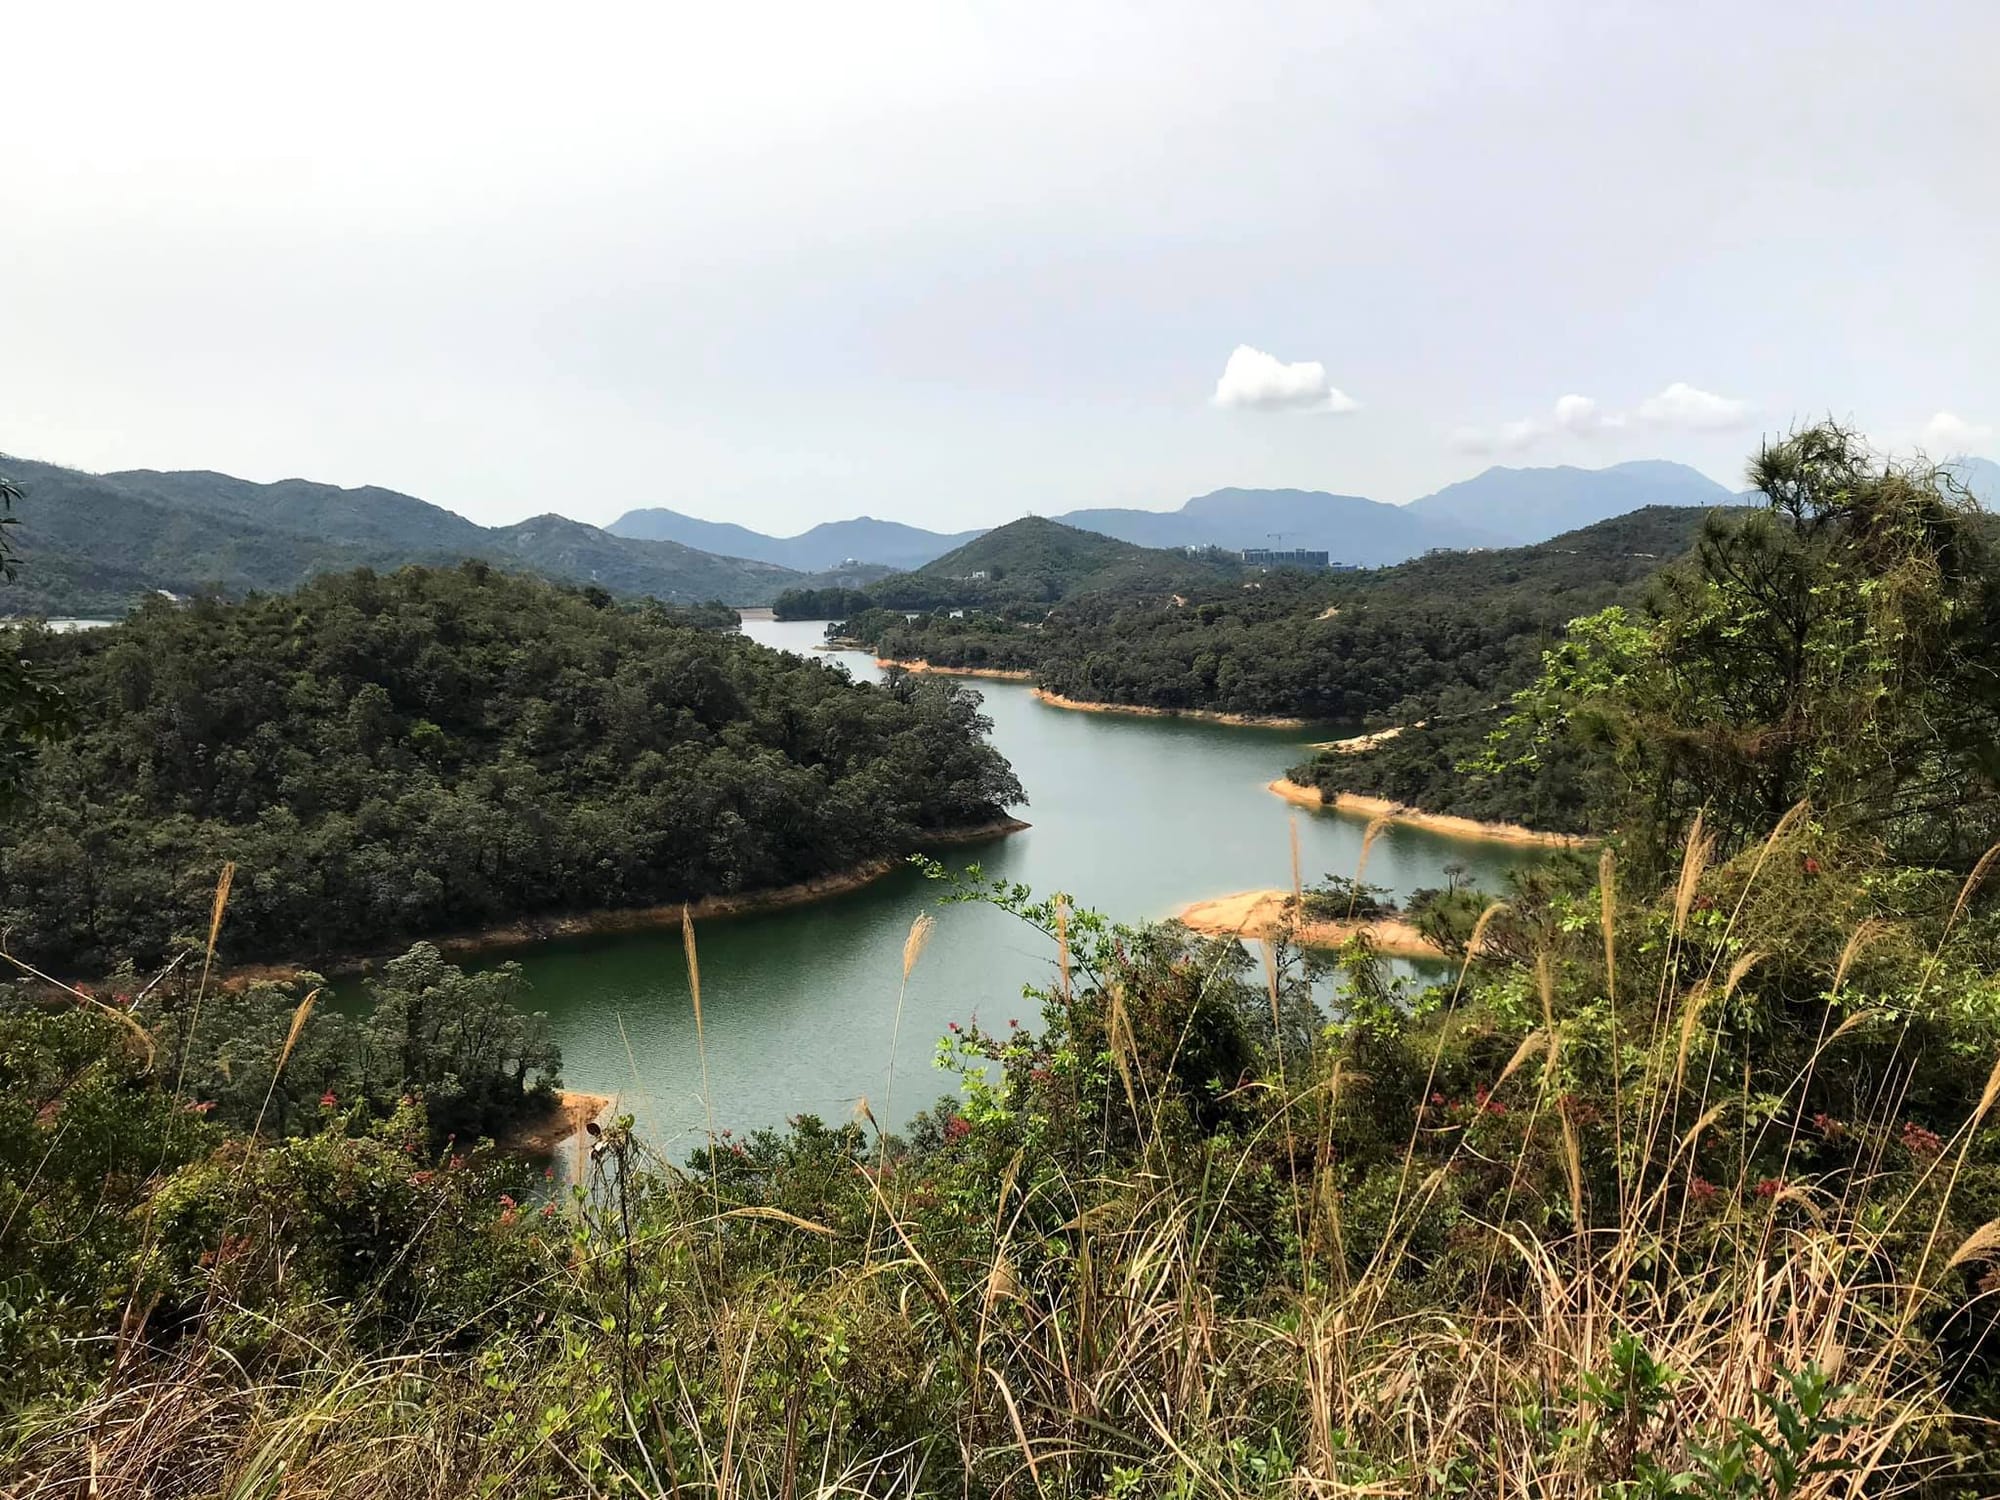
<point>950,263</point>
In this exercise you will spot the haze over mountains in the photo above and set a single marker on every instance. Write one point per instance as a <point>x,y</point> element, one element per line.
<point>1501,507</point>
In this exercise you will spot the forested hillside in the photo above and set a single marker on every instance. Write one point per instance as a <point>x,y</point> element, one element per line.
<point>99,542</point>
<point>1433,635</point>
<point>1020,568</point>
<point>385,756</point>
<point>1684,1183</point>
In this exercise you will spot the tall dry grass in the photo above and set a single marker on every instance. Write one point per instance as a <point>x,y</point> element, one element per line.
<point>1121,1368</point>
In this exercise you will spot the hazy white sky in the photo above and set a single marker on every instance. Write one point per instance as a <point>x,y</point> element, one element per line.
<point>948,263</point>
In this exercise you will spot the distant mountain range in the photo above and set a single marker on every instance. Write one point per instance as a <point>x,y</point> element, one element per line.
<point>93,543</point>
<point>827,545</point>
<point>1501,507</point>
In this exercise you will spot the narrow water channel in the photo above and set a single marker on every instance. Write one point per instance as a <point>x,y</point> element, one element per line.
<point>1134,816</point>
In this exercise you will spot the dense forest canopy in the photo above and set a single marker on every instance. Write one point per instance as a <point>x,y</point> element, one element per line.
<point>389,756</point>
<point>1435,635</point>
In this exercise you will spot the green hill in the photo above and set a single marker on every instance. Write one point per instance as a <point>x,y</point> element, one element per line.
<point>1025,565</point>
<point>389,755</point>
<point>1328,646</point>
<point>96,543</point>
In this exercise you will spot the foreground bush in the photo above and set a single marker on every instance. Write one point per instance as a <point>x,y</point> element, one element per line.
<point>1687,1195</point>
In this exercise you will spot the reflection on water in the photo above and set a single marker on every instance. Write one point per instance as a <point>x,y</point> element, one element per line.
<point>1134,816</point>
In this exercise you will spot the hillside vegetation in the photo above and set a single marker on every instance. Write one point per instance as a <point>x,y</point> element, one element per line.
<point>1686,1184</point>
<point>101,542</point>
<point>390,756</point>
<point>1445,634</point>
<point>1019,569</point>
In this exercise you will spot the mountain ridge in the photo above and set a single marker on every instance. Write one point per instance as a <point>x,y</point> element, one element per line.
<point>94,542</point>
<point>1495,508</point>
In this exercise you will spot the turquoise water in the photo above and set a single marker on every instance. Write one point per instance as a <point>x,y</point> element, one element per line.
<point>1134,816</point>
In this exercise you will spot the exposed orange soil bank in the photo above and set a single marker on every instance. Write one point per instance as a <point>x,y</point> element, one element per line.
<point>1258,914</point>
<point>529,931</point>
<point>1355,744</point>
<point>571,1111</point>
<point>1002,674</point>
<point>1254,721</point>
<point>1457,827</point>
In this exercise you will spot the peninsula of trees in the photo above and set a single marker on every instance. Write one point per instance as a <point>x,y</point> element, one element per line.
<point>391,756</point>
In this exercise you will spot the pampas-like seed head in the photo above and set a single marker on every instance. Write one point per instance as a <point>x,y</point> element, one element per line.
<point>1982,1244</point>
<point>1478,938</point>
<point>913,944</point>
<point>1694,860</point>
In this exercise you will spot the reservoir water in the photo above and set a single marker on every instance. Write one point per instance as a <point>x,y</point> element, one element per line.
<point>1134,816</point>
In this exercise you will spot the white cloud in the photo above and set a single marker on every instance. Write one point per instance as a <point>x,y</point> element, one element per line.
<point>1948,435</point>
<point>1683,405</point>
<point>1260,382</point>
<point>1580,416</point>
<point>1576,416</point>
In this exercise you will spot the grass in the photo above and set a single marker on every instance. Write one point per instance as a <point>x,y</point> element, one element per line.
<point>1600,1320</point>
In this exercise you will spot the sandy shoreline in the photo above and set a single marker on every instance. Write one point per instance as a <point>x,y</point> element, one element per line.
<point>998,674</point>
<point>573,1110</point>
<point>606,921</point>
<point>1258,914</point>
<point>1355,744</point>
<point>1448,823</point>
<point>1248,721</point>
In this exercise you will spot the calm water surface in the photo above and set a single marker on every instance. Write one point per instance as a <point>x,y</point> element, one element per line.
<point>1134,816</point>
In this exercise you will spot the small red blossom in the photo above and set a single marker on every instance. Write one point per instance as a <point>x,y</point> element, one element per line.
<point>548,1174</point>
<point>548,1210</point>
<point>1919,1141</point>
<point>1012,1022</point>
<point>457,1163</point>
<point>507,1200</point>
<point>200,1106</point>
<point>1770,1187</point>
<point>1811,865</point>
<point>329,1100</point>
<point>957,1128</point>
<point>1828,1126</point>
<point>421,1179</point>
<point>1702,1190</point>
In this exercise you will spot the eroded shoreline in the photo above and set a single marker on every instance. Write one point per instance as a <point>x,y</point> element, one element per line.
<point>1449,823</point>
<point>1264,914</point>
<point>529,932</point>
<point>998,674</point>
<point>1210,715</point>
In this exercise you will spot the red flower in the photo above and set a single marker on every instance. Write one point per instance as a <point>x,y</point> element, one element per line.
<point>1828,1126</point>
<point>1921,1142</point>
<point>1702,1190</point>
<point>1012,1022</point>
<point>328,1100</point>
<point>1812,865</point>
<point>952,1026</point>
<point>548,1210</point>
<point>957,1128</point>
<point>1770,1187</point>
<point>507,1200</point>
